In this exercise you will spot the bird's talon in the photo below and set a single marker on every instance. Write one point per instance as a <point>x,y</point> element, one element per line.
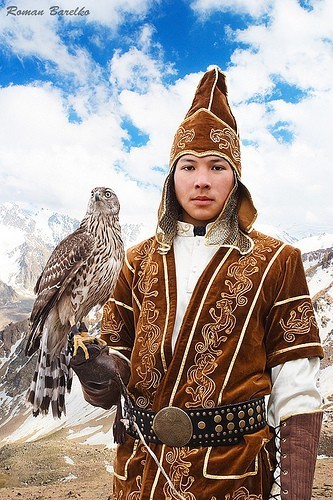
<point>80,339</point>
<point>78,342</point>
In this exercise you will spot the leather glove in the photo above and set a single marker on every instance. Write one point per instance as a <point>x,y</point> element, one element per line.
<point>99,374</point>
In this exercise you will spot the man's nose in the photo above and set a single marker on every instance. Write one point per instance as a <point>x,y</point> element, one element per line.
<point>202,181</point>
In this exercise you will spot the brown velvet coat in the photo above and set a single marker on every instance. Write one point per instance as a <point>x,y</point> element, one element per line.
<point>247,314</point>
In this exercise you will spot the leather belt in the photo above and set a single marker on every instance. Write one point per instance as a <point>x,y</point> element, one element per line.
<point>219,426</point>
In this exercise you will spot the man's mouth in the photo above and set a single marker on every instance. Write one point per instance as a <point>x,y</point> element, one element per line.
<point>202,199</point>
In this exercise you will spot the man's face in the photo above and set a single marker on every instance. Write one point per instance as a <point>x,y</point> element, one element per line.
<point>202,186</point>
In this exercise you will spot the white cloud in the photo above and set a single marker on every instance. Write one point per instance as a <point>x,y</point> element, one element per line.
<point>294,47</point>
<point>38,37</point>
<point>48,161</point>
<point>112,14</point>
<point>41,36</point>
<point>290,181</point>
<point>142,65</point>
<point>157,113</point>
<point>134,69</point>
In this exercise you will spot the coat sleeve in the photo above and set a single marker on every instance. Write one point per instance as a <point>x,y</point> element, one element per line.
<point>291,327</point>
<point>118,325</point>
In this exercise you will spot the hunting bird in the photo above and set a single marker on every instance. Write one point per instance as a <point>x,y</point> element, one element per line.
<point>80,274</point>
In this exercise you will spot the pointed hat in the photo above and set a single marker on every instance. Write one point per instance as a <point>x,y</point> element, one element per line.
<point>209,127</point>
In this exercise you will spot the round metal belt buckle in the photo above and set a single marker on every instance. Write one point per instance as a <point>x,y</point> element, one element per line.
<point>173,426</point>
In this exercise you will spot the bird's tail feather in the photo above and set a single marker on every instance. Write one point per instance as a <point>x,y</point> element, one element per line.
<point>51,379</point>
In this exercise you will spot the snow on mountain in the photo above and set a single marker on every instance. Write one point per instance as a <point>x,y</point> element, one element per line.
<point>7,294</point>
<point>11,239</point>
<point>26,240</point>
<point>314,243</point>
<point>83,422</point>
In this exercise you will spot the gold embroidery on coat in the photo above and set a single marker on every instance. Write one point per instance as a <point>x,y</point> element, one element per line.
<point>149,334</point>
<point>148,270</point>
<point>109,325</point>
<point>124,476</point>
<point>300,322</point>
<point>227,139</point>
<point>149,338</point>
<point>239,283</point>
<point>242,494</point>
<point>179,472</point>
<point>293,348</point>
<point>167,312</point>
<point>135,495</point>
<point>291,299</point>
<point>207,475</point>
<point>247,319</point>
<point>207,352</point>
<point>119,495</point>
<point>122,304</point>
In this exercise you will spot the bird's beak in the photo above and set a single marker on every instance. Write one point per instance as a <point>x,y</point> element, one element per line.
<point>97,198</point>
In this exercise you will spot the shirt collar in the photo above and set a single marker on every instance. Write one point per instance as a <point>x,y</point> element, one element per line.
<point>187,229</point>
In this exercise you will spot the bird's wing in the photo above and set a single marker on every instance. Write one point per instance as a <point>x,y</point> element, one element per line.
<point>63,264</point>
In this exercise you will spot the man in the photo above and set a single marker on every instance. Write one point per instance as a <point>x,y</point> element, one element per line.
<point>208,318</point>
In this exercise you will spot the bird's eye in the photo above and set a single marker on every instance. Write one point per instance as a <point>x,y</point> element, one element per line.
<point>107,194</point>
<point>92,194</point>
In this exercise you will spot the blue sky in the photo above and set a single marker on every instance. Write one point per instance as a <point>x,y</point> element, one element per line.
<point>95,100</point>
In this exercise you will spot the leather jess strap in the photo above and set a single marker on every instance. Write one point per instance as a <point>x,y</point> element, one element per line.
<point>219,426</point>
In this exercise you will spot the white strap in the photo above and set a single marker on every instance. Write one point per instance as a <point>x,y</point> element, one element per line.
<point>178,495</point>
<point>119,354</point>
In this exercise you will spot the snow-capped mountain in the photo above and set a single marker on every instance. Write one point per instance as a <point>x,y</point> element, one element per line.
<point>26,240</point>
<point>318,242</point>
<point>317,256</point>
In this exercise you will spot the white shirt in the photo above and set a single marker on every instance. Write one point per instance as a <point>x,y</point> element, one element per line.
<point>294,382</point>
